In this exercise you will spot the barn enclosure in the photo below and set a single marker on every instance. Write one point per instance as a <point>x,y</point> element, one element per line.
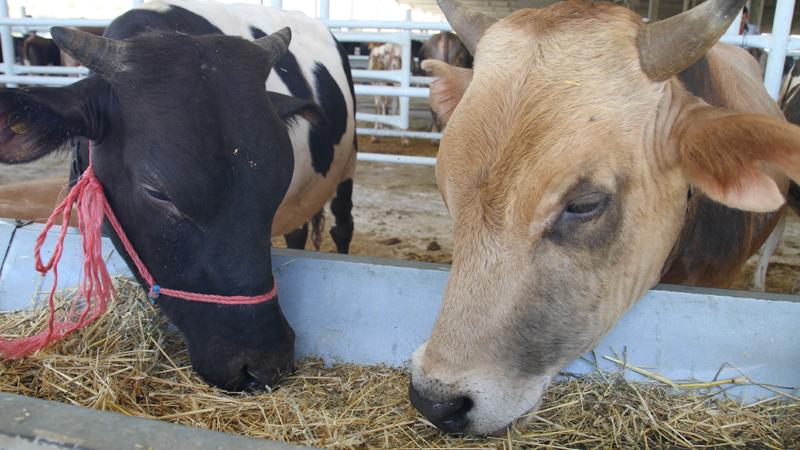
<point>371,310</point>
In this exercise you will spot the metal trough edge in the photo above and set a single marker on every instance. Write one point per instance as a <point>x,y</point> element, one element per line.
<point>28,424</point>
<point>368,310</point>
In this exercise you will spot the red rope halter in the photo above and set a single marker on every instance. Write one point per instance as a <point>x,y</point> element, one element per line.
<point>95,287</point>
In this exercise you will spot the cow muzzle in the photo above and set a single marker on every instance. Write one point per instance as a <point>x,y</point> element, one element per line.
<point>473,400</point>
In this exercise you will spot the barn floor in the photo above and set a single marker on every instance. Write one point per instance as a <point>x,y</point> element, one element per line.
<point>399,213</point>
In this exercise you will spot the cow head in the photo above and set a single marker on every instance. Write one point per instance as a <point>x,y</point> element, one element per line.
<point>195,158</point>
<point>565,167</point>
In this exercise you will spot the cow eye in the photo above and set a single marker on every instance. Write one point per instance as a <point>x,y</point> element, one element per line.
<point>156,194</point>
<point>584,207</point>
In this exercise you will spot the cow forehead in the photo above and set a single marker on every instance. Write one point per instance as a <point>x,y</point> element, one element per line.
<point>568,100</point>
<point>564,41</point>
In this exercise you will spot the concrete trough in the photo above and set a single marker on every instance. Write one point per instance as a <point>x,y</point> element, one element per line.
<point>368,310</point>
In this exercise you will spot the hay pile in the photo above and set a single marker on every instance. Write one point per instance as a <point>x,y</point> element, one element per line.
<point>127,363</point>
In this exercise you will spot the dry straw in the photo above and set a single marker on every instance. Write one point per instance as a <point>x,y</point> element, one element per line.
<point>126,362</point>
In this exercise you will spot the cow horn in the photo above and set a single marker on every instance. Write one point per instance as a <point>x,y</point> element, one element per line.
<point>468,23</point>
<point>276,44</point>
<point>669,46</point>
<point>103,55</point>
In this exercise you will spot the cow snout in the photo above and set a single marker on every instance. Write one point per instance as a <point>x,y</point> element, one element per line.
<point>254,372</point>
<point>448,415</point>
<point>255,380</point>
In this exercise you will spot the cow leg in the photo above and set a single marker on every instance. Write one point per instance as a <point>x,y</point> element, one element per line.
<point>380,109</point>
<point>317,224</point>
<point>342,207</point>
<point>760,274</point>
<point>297,239</point>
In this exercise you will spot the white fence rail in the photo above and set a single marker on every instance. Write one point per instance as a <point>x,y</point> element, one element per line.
<point>404,85</point>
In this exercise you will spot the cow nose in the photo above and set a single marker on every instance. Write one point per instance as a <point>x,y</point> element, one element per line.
<point>448,415</point>
<point>251,380</point>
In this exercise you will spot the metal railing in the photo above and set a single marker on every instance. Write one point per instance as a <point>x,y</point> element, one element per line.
<point>404,85</point>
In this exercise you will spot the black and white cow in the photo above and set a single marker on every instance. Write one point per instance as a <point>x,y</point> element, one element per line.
<point>200,163</point>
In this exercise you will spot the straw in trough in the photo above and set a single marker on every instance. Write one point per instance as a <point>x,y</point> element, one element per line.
<point>127,362</point>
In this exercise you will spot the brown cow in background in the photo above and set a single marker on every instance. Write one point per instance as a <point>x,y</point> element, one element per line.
<point>446,47</point>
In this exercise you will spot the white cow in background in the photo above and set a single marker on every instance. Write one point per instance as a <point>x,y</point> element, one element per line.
<point>386,57</point>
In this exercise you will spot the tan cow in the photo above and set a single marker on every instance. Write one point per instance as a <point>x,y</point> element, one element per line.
<point>587,157</point>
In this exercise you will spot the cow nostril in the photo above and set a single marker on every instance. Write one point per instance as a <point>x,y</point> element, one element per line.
<point>250,382</point>
<point>448,415</point>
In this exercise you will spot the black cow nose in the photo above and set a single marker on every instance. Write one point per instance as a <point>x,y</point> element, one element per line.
<point>252,381</point>
<point>449,415</point>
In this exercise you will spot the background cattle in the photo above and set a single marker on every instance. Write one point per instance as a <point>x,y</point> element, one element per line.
<point>386,57</point>
<point>18,54</point>
<point>790,105</point>
<point>446,47</point>
<point>212,131</point>
<point>33,201</point>
<point>40,51</point>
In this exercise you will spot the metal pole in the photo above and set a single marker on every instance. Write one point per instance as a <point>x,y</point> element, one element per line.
<point>324,9</point>
<point>756,12</point>
<point>278,4</point>
<point>8,44</point>
<point>652,10</point>
<point>405,79</point>
<point>733,29</point>
<point>781,28</point>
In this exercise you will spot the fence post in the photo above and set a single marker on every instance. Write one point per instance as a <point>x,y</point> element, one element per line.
<point>8,43</point>
<point>733,29</point>
<point>324,9</point>
<point>652,10</point>
<point>405,79</point>
<point>781,28</point>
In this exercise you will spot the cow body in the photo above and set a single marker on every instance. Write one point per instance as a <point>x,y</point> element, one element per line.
<point>577,177</point>
<point>707,254</point>
<point>33,201</point>
<point>200,163</point>
<point>386,57</point>
<point>446,47</point>
<point>40,51</point>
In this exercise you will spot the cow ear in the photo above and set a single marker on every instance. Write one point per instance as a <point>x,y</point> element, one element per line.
<point>289,107</point>
<point>37,121</point>
<point>731,156</point>
<point>448,87</point>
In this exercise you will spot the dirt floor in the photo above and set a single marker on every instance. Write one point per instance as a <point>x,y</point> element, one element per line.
<point>399,214</point>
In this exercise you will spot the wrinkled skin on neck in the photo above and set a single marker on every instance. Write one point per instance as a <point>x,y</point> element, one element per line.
<point>566,203</point>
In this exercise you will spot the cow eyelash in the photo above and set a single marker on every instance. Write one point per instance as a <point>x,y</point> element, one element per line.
<point>585,206</point>
<point>156,194</point>
<point>162,201</point>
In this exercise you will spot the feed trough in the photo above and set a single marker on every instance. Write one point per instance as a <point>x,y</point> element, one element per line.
<point>367,311</point>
